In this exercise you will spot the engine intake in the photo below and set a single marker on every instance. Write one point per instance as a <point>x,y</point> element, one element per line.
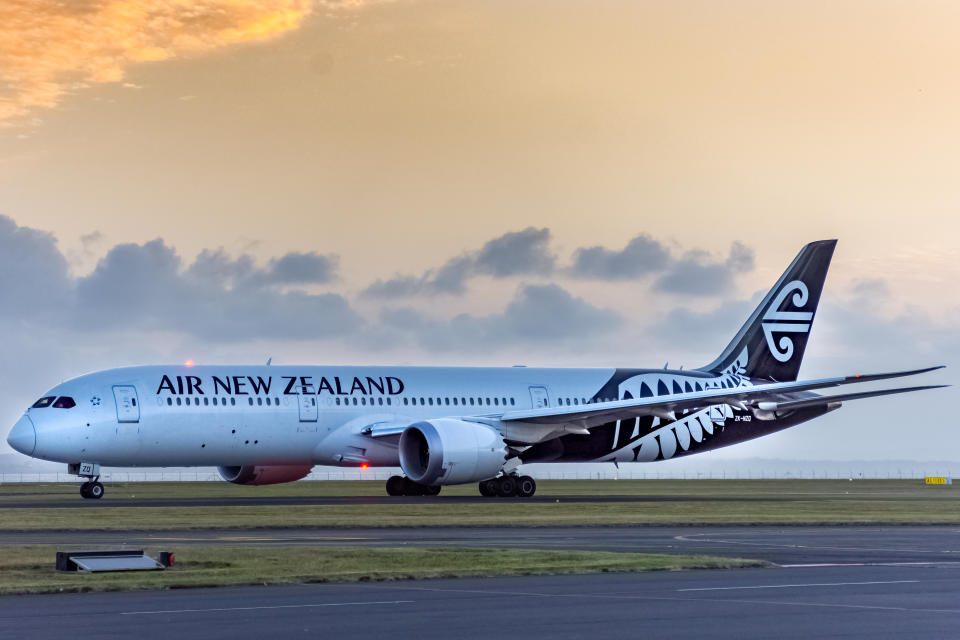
<point>264,474</point>
<point>450,451</point>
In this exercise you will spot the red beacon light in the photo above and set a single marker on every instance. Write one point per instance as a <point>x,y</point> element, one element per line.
<point>189,363</point>
<point>364,466</point>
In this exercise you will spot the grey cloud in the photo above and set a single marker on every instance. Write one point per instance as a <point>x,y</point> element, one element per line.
<point>34,274</point>
<point>146,287</point>
<point>515,253</point>
<point>538,314</point>
<point>642,256</point>
<point>697,273</point>
<point>303,268</point>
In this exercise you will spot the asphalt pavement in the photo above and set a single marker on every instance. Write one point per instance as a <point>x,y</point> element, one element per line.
<point>822,602</point>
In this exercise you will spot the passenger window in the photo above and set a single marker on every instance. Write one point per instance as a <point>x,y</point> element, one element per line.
<point>431,401</point>
<point>250,401</point>
<point>206,401</point>
<point>471,402</point>
<point>338,401</point>
<point>512,402</point>
<point>388,401</point>
<point>488,402</point>
<point>363,401</point>
<point>179,402</point>
<point>406,401</point>
<point>421,402</point>
<point>43,402</point>
<point>496,401</point>
<point>380,401</point>
<point>233,402</point>
<point>454,402</point>
<point>169,401</point>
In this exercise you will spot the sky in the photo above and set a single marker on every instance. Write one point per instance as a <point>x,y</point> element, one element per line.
<point>562,183</point>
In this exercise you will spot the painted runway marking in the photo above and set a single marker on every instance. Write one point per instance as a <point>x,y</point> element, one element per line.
<point>277,606</point>
<point>809,584</point>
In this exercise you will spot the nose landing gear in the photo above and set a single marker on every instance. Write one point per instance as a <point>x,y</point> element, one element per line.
<point>92,490</point>
<point>508,486</point>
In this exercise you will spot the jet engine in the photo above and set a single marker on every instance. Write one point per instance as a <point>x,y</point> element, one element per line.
<point>264,474</point>
<point>450,451</point>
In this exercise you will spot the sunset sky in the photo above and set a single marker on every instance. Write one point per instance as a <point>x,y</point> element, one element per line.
<point>448,182</point>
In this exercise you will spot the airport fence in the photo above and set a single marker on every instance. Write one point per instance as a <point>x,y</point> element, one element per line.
<point>540,474</point>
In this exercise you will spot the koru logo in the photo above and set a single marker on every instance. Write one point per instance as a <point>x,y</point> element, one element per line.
<point>777,321</point>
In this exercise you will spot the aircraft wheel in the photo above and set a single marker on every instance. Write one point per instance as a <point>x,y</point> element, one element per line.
<point>395,486</point>
<point>526,487</point>
<point>488,488</point>
<point>411,488</point>
<point>432,490</point>
<point>507,487</point>
<point>85,490</point>
<point>95,491</point>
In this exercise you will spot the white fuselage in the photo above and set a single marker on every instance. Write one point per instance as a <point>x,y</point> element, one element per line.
<point>241,415</point>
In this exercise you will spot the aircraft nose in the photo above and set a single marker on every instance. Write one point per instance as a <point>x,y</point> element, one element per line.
<point>23,436</point>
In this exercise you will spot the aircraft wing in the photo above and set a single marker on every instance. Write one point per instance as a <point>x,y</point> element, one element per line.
<point>775,396</point>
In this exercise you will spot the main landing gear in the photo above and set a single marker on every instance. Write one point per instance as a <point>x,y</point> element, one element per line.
<point>508,486</point>
<point>403,486</point>
<point>92,490</point>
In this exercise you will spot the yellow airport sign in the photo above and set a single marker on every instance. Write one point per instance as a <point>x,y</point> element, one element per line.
<point>938,480</point>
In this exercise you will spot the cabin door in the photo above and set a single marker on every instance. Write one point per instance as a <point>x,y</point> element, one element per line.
<point>539,398</point>
<point>307,400</point>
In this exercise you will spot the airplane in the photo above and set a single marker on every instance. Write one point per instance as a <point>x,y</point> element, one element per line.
<point>444,425</point>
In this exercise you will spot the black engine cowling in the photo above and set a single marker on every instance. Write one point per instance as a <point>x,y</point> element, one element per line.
<point>450,451</point>
<point>264,474</point>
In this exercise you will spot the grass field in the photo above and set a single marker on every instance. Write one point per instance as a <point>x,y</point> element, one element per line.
<point>643,502</point>
<point>30,569</point>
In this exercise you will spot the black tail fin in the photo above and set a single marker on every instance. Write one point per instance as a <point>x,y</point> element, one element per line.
<point>771,343</point>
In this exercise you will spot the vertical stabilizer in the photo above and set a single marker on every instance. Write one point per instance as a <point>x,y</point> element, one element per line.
<point>771,343</point>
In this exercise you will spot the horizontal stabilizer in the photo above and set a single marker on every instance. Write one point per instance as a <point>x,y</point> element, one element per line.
<point>599,413</point>
<point>843,397</point>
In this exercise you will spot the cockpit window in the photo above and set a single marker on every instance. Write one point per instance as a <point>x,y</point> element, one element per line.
<point>64,402</point>
<point>43,402</point>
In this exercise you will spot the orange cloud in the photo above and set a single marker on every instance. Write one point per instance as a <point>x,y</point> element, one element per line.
<point>49,48</point>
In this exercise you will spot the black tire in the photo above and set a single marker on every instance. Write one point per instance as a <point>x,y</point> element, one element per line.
<point>411,488</point>
<point>85,491</point>
<point>95,491</point>
<point>507,487</point>
<point>488,488</point>
<point>526,487</point>
<point>432,490</point>
<point>395,486</point>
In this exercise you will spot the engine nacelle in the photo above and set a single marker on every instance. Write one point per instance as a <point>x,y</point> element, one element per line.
<point>450,451</point>
<point>264,474</point>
